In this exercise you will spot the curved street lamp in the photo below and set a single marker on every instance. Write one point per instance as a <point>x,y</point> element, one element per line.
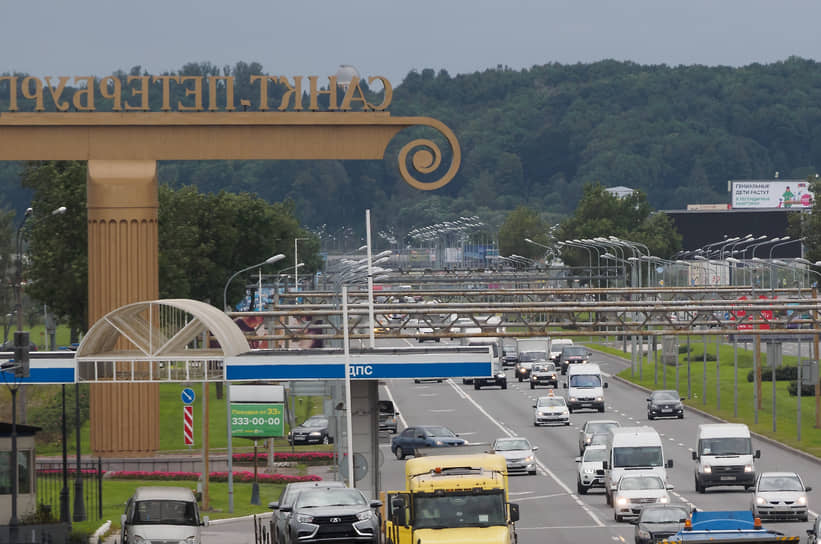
<point>269,260</point>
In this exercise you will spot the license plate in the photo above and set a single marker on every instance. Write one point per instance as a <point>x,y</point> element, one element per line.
<point>666,410</point>
<point>727,478</point>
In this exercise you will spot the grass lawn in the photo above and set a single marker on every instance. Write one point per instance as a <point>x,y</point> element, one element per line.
<point>117,492</point>
<point>786,406</point>
<point>171,422</point>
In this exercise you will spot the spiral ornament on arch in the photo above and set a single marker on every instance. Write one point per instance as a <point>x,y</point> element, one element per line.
<point>426,158</point>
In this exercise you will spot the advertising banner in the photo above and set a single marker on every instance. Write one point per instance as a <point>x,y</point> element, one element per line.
<point>257,420</point>
<point>771,194</point>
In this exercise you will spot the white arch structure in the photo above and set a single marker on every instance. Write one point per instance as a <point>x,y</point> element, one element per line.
<point>170,340</point>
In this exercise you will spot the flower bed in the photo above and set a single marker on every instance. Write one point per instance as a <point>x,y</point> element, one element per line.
<point>239,476</point>
<point>309,458</point>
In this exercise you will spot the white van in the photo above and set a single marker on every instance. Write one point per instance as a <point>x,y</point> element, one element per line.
<point>499,377</point>
<point>162,514</point>
<point>724,456</point>
<point>632,449</point>
<point>585,387</point>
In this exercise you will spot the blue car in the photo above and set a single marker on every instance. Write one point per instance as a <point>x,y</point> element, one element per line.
<point>423,436</point>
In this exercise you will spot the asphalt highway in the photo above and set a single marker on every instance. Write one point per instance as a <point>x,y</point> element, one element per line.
<point>548,501</point>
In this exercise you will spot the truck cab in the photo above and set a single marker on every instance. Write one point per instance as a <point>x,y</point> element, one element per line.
<point>632,449</point>
<point>724,456</point>
<point>452,498</point>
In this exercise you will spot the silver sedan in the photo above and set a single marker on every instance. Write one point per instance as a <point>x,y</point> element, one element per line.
<point>780,495</point>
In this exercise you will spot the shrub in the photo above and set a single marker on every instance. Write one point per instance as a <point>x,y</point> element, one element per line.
<point>684,349</point>
<point>310,458</point>
<point>239,476</point>
<point>782,374</point>
<point>806,391</point>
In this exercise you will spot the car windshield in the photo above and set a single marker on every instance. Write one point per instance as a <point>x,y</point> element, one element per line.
<point>315,498</point>
<point>600,427</point>
<point>165,512</point>
<point>780,483</point>
<point>509,445</point>
<point>451,510</point>
<point>594,455</point>
<point>574,351</point>
<point>664,515</point>
<point>640,482</point>
<point>550,401</point>
<point>643,456</point>
<point>585,380</point>
<point>438,431</point>
<point>665,396</point>
<point>549,367</point>
<point>725,446</point>
<point>315,422</point>
<point>598,438</point>
<point>531,356</point>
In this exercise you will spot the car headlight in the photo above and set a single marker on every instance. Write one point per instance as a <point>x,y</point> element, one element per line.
<point>304,518</point>
<point>587,439</point>
<point>140,540</point>
<point>707,469</point>
<point>589,471</point>
<point>664,500</point>
<point>644,534</point>
<point>315,433</point>
<point>621,501</point>
<point>802,500</point>
<point>572,399</point>
<point>529,459</point>
<point>599,399</point>
<point>439,443</point>
<point>192,540</point>
<point>748,468</point>
<point>565,411</point>
<point>760,500</point>
<point>364,515</point>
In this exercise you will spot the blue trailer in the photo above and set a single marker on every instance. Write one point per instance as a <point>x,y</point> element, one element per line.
<point>726,527</point>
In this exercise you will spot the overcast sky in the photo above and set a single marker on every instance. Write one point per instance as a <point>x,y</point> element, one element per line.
<point>390,38</point>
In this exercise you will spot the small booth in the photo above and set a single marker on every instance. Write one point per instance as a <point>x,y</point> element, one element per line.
<point>26,489</point>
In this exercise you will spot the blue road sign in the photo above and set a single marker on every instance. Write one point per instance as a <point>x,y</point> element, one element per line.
<point>392,363</point>
<point>188,395</point>
<point>45,371</point>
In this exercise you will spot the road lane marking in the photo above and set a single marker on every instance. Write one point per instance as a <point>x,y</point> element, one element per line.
<point>541,465</point>
<point>443,410</point>
<point>541,497</point>
<point>542,528</point>
<point>429,395</point>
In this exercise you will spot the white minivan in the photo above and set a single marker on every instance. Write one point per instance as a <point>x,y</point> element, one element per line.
<point>632,449</point>
<point>724,456</point>
<point>162,514</point>
<point>585,387</point>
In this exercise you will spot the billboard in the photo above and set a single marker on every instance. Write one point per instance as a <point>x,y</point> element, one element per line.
<point>771,194</point>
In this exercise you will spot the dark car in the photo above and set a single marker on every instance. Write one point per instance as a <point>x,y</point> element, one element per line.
<point>313,430</point>
<point>423,436</point>
<point>332,514</point>
<point>387,416</point>
<point>510,354</point>
<point>279,520</point>
<point>572,355</point>
<point>525,363</point>
<point>543,373</point>
<point>659,521</point>
<point>664,403</point>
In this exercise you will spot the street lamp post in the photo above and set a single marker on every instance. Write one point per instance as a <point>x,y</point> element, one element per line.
<point>296,260</point>
<point>269,260</point>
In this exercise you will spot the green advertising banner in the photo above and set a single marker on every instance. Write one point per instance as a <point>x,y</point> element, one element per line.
<point>257,420</point>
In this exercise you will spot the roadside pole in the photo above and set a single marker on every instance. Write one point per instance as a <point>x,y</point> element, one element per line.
<point>800,387</point>
<point>735,376</point>
<point>757,374</point>
<point>718,372</point>
<point>817,358</point>
<point>689,375</point>
<point>704,370</point>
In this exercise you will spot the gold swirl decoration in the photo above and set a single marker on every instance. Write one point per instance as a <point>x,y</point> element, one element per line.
<point>427,157</point>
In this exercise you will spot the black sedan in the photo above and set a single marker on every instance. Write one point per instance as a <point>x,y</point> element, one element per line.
<point>659,521</point>
<point>664,403</point>
<point>423,436</point>
<point>313,430</point>
<point>332,514</point>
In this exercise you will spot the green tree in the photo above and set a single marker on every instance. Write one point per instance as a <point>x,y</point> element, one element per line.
<point>808,225</point>
<point>203,240</point>
<point>600,213</point>
<point>7,270</point>
<point>521,223</point>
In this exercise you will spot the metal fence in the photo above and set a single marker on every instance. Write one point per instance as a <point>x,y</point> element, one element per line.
<point>83,488</point>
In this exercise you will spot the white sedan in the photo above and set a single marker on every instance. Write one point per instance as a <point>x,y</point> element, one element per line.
<point>551,409</point>
<point>780,495</point>
<point>637,490</point>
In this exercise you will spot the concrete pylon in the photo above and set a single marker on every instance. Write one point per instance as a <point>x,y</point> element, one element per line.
<point>122,268</point>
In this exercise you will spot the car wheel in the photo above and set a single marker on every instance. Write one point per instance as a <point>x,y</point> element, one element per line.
<point>570,409</point>
<point>567,423</point>
<point>476,385</point>
<point>580,488</point>
<point>416,381</point>
<point>520,379</point>
<point>326,440</point>
<point>616,516</point>
<point>437,340</point>
<point>399,453</point>
<point>608,499</point>
<point>700,488</point>
<point>532,386</point>
<point>535,423</point>
<point>533,473</point>
<point>504,384</point>
<point>681,416</point>
<point>393,431</point>
<point>439,381</point>
<point>601,408</point>
<point>649,416</point>
<point>805,518</point>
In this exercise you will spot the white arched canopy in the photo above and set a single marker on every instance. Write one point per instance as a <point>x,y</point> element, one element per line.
<point>160,340</point>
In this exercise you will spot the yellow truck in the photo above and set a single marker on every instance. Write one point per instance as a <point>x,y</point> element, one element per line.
<point>452,499</point>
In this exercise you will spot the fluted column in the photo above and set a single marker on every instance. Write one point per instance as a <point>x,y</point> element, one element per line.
<point>122,268</point>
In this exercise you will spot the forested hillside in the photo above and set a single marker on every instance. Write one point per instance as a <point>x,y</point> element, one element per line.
<point>536,136</point>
